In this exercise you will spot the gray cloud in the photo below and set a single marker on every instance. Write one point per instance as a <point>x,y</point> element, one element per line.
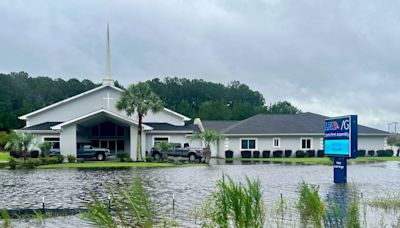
<point>328,57</point>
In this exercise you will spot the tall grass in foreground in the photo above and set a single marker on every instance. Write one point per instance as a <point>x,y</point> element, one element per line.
<point>131,208</point>
<point>5,217</point>
<point>310,205</point>
<point>235,205</point>
<point>389,202</point>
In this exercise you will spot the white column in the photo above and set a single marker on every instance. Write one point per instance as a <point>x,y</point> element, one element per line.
<point>68,140</point>
<point>133,142</point>
<point>143,145</point>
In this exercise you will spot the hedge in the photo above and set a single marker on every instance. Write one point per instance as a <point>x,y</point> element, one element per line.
<point>288,153</point>
<point>228,154</point>
<point>277,153</point>
<point>256,154</point>
<point>246,154</point>
<point>384,153</point>
<point>310,153</point>
<point>371,152</point>
<point>266,154</point>
<point>300,154</point>
<point>361,153</point>
<point>320,153</point>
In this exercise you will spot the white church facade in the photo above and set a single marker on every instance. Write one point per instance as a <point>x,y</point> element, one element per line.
<point>91,118</point>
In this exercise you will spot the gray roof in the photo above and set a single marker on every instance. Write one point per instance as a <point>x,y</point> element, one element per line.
<point>302,123</point>
<point>218,125</point>
<point>42,126</point>
<point>170,127</point>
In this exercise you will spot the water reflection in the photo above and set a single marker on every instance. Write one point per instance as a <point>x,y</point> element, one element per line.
<point>339,197</point>
<point>70,188</point>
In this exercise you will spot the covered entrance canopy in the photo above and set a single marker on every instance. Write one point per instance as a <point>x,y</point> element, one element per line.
<point>101,128</point>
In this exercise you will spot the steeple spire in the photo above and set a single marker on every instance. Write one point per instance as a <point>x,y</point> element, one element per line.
<point>108,80</point>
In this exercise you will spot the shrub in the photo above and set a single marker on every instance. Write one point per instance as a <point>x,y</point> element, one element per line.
<point>288,153</point>
<point>228,154</point>
<point>31,163</point>
<point>15,153</point>
<point>310,153</point>
<point>256,154</point>
<point>266,153</point>
<point>300,154</point>
<point>361,153</point>
<point>122,156</point>
<point>384,153</point>
<point>320,153</point>
<point>246,154</point>
<point>49,160</point>
<point>389,153</point>
<point>12,163</point>
<point>277,154</point>
<point>149,159</point>
<point>371,152</point>
<point>380,153</point>
<point>71,159</point>
<point>55,160</point>
<point>44,149</point>
<point>34,154</point>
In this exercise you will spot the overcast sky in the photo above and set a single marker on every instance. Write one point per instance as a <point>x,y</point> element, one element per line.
<point>330,57</point>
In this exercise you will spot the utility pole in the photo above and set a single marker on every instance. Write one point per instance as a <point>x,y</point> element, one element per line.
<point>395,127</point>
<point>389,127</point>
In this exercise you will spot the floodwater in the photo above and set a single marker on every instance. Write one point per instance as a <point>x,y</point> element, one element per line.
<point>70,188</point>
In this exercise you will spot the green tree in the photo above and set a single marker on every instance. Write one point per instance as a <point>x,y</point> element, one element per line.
<point>139,99</point>
<point>207,136</point>
<point>20,142</point>
<point>282,107</point>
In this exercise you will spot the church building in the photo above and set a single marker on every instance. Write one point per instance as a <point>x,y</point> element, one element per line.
<point>91,118</point>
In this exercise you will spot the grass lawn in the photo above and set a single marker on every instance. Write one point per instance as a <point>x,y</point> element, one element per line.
<point>4,156</point>
<point>316,161</point>
<point>113,164</point>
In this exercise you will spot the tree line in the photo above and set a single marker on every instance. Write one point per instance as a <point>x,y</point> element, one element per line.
<point>21,94</point>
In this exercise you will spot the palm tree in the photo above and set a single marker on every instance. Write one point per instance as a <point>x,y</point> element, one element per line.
<point>20,142</point>
<point>139,98</point>
<point>208,136</point>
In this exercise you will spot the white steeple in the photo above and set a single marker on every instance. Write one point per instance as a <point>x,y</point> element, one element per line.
<point>108,80</point>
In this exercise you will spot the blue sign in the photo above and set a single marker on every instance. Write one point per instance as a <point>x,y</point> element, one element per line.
<point>340,138</point>
<point>340,142</point>
<point>340,170</point>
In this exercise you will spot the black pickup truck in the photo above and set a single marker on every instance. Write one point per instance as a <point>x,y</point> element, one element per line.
<point>87,151</point>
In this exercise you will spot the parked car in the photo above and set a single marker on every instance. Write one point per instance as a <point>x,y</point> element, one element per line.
<point>87,151</point>
<point>177,151</point>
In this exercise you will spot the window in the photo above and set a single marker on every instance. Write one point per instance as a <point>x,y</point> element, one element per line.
<point>306,143</point>
<point>276,142</point>
<point>248,144</point>
<point>55,142</point>
<point>160,139</point>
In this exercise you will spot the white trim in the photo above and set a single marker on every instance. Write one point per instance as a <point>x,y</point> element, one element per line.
<point>273,142</point>
<point>24,117</point>
<point>159,136</point>
<point>171,132</point>
<point>240,144</point>
<point>123,118</point>
<point>36,131</point>
<point>185,118</point>
<point>51,136</point>
<point>311,143</point>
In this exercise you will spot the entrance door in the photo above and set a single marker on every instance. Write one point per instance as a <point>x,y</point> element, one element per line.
<point>112,147</point>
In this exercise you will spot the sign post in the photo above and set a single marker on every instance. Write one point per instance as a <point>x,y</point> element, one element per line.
<point>340,142</point>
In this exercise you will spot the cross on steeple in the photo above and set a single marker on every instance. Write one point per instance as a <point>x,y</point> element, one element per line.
<point>108,98</point>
